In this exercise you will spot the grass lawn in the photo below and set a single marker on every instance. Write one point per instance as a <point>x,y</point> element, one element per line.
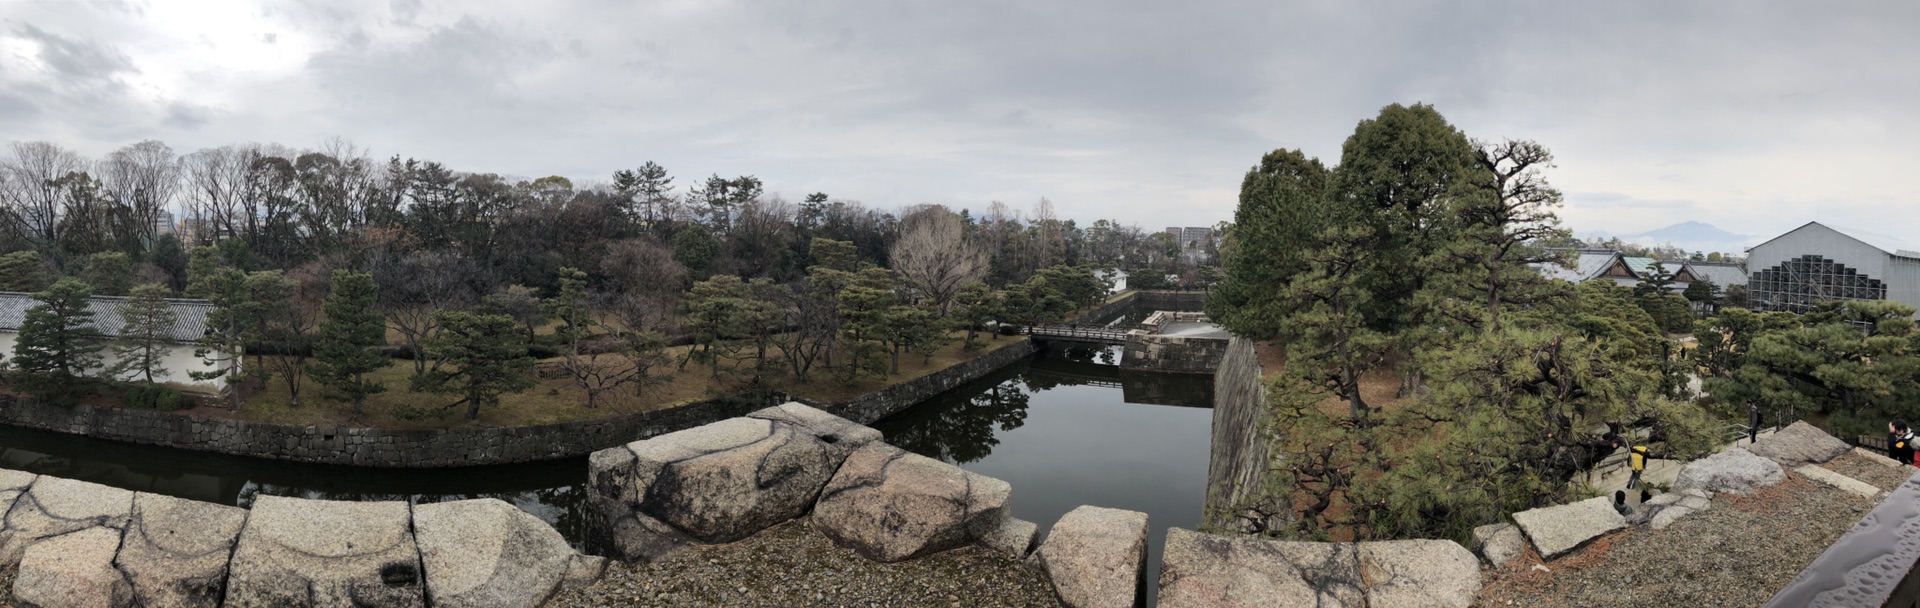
<point>560,400</point>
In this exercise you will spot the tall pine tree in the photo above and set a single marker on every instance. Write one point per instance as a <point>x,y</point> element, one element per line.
<point>146,332</point>
<point>346,348</point>
<point>57,342</point>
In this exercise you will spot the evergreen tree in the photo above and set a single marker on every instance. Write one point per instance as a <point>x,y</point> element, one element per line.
<point>1280,216</point>
<point>224,347</point>
<point>975,305</point>
<point>109,272</point>
<point>346,348</point>
<point>23,271</point>
<point>484,357</point>
<point>57,343</point>
<point>146,331</point>
<point>1506,216</point>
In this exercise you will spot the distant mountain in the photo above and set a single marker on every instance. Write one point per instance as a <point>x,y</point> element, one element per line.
<point>1695,236</point>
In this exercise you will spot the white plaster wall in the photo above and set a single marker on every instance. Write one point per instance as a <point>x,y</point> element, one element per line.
<point>178,361</point>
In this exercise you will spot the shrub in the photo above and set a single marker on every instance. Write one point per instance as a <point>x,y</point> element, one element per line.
<point>155,397</point>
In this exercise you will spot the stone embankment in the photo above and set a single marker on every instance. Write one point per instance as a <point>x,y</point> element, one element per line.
<point>658,498</point>
<point>78,544</point>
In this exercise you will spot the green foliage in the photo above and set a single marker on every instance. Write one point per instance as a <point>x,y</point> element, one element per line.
<point>483,356</point>
<point>146,334</point>
<point>1855,360</point>
<point>346,348</point>
<point>1701,291</point>
<point>696,248</point>
<point>223,349</point>
<point>865,322</point>
<point>148,396</point>
<point>1330,343</point>
<point>975,305</point>
<point>23,271</point>
<point>57,343</point>
<point>834,255</point>
<point>109,272</point>
<point>1281,214</point>
<point>1672,314</point>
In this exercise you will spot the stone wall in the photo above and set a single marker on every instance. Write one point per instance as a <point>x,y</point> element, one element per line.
<point>1239,454</point>
<point>1150,352</point>
<point>1173,300</point>
<point>83,544</point>
<point>891,400</point>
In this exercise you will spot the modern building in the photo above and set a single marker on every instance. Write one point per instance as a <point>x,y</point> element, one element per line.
<point>1191,237</point>
<point>1818,263</point>
<point>190,325</point>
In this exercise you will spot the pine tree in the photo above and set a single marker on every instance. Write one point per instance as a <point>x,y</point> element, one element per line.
<point>224,347</point>
<point>23,271</point>
<point>484,357</point>
<point>57,342</point>
<point>147,323</point>
<point>109,272</point>
<point>1281,213</point>
<point>353,329</point>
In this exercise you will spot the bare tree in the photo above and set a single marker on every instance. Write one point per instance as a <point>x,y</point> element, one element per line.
<point>935,255</point>
<point>144,177</point>
<point>34,193</point>
<point>416,287</point>
<point>216,182</point>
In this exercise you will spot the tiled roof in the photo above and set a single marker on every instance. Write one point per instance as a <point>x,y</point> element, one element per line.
<point>1641,266</point>
<point>1590,263</point>
<point>1721,274</point>
<point>190,316</point>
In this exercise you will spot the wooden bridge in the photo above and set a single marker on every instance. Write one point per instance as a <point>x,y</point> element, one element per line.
<point>1079,333</point>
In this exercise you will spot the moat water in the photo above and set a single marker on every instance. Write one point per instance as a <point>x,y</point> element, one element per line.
<point>1066,428</point>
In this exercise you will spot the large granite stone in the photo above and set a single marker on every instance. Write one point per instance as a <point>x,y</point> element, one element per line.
<point>1014,537</point>
<point>12,485</point>
<point>486,553</point>
<point>843,435</point>
<point>176,550</point>
<point>726,480</point>
<point>1419,574</point>
<point>73,570</point>
<point>1096,557</point>
<point>1838,481</point>
<point>888,504</point>
<point>1558,529</point>
<point>1798,444</point>
<point>298,552</point>
<point>1202,570</point>
<point>1499,543</point>
<point>53,506</point>
<point>1669,514</point>
<point>1733,470</point>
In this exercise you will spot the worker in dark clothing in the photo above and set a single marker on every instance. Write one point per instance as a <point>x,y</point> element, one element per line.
<point>1753,423</point>
<point>1637,461</point>
<point>1900,442</point>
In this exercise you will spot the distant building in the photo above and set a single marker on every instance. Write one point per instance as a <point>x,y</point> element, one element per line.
<point>190,325</point>
<point>1625,271</point>
<point>163,223</point>
<point>1818,263</point>
<point>1192,237</point>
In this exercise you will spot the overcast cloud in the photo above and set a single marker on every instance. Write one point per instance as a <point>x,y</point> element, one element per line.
<point>1754,116</point>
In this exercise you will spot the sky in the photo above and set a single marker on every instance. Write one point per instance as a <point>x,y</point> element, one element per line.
<point>1754,116</point>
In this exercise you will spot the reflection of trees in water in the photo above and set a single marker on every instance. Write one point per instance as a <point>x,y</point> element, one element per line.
<point>962,431</point>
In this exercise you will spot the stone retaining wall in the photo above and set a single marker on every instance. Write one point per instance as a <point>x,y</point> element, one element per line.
<point>1239,453</point>
<point>866,409</point>
<point>83,544</point>
<point>1172,354</point>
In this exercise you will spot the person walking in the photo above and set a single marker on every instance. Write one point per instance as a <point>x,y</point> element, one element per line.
<point>1637,461</point>
<point>1753,423</point>
<point>1900,442</point>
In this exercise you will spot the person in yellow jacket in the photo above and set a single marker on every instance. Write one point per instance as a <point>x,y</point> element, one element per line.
<point>1637,461</point>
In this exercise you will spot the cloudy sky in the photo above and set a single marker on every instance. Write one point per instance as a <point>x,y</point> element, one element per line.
<point>1754,116</point>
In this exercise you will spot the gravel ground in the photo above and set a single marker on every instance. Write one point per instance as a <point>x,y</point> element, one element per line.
<point>6,586</point>
<point>792,565</point>
<point>1736,554</point>
<point>1875,474</point>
